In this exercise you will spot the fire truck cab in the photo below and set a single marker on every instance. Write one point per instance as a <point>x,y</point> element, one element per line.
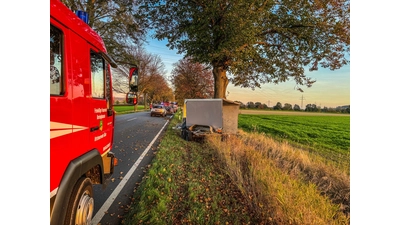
<point>81,116</point>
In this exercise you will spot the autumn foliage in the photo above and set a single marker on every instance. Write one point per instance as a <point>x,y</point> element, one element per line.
<point>249,43</point>
<point>191,80</point>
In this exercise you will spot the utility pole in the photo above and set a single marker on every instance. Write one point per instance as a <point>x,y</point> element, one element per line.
<point>302,98</point>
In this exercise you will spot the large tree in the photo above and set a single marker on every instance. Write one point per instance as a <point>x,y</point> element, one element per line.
<point>159,91</point>
<point>255,41</point>
<point>191,80</point>
<point>116,21</point>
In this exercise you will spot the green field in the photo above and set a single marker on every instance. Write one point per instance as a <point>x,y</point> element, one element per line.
<point>121,109</point>
<point>328,136</point>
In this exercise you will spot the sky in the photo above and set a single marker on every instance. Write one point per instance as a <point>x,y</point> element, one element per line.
<point>332,88</point>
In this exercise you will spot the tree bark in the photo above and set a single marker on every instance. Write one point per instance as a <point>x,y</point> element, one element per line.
<point>145,100</point>
<point>220,81</point>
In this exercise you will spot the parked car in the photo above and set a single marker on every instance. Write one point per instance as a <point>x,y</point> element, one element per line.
<point>174,108</point>
<point>170,110</point>
<point>158,110</point>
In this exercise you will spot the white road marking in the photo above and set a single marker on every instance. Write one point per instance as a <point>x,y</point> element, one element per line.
<point>99,215</point>
<point>132,119</point>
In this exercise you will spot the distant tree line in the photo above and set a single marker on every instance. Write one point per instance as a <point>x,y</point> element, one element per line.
<point>289,107</point>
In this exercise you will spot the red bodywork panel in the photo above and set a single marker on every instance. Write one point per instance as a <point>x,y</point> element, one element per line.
<point>75,112</point>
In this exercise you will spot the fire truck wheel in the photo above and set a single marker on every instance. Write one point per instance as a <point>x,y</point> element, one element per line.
<point>81,203</point>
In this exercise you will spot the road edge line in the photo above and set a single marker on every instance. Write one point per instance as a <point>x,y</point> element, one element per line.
<point>100,213</point>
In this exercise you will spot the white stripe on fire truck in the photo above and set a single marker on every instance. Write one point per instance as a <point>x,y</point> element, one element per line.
<point>53,192</point>
<point>60,129</point>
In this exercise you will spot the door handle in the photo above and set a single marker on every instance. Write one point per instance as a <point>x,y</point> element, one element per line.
<point>94,128</point>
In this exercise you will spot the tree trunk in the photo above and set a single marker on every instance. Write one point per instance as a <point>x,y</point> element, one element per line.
<point>145,100</point>
<point>220,81</point>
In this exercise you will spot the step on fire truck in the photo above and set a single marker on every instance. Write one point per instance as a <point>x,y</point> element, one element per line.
<point>81,115</point>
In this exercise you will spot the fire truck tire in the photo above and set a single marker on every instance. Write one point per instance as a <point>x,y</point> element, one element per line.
<point>81,203</point>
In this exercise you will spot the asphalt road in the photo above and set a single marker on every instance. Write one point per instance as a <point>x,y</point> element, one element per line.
<point>136,137</point>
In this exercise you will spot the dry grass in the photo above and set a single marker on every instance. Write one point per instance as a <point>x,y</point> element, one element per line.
<point>283,184</point>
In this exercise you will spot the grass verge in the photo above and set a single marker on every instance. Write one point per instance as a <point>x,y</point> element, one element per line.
<point>185,185</point>
<point>244,179</point>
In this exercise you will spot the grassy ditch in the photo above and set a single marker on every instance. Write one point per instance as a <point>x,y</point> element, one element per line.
<point>295,186</point>
<point>244,179</point>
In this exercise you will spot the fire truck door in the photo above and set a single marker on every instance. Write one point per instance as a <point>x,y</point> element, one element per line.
<point>101,120</point>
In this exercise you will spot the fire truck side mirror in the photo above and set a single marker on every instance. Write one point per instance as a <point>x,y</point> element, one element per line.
<point>131,98</point>
<point>133,79</point>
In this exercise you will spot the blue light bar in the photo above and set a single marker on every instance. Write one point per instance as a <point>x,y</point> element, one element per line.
<point>84,16</point>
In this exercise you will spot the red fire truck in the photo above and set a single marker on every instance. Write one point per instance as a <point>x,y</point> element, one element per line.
<point>81,115</point>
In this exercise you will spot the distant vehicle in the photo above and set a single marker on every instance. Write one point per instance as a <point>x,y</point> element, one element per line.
<point>170,110</point>
<point>158,110</point>
<point>175,108</point>
<point>166,104</point>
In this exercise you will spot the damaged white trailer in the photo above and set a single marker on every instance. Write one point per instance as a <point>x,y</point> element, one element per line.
<point>207,116</point>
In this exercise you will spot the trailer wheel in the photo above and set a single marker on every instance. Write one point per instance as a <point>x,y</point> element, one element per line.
<point>81,203</point>
<point>183,134</point>
<point>189,136</point>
